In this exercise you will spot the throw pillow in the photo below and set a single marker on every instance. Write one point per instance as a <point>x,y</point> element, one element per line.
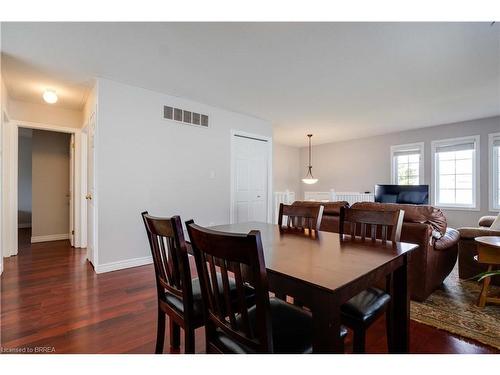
<point>496,224</point>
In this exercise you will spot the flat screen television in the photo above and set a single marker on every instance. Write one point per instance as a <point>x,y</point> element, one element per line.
<point>409,194</point>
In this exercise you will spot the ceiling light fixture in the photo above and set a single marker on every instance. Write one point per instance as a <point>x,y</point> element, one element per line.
<point>309,179</point>
<point>50,96</point>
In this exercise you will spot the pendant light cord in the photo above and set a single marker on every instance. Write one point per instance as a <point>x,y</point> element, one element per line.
<point>309,135</point>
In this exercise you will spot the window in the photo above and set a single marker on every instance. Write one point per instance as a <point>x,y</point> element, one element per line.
<point>494,150</point>
<point>456,169</point>
<point>407,164</point>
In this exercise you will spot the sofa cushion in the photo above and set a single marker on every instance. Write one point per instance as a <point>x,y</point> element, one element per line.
<point>329,208</point>
<point>496,224</point>
<point>486,221</point>
<point>423,214</point>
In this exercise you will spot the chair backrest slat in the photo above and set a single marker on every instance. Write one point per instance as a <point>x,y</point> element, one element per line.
<point>227,294</point>
<point>300,217</point>
<point>245,323</point>
<point>171,263</point>
<point>381,223</point>
<point>166,264</point>
<point>226,308</point>
<point>214,285</point>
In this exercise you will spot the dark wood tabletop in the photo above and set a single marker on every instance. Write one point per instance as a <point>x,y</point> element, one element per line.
<point>323,271</point>
<point>322,260</point>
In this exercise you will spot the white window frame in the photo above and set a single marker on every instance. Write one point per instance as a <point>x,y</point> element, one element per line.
<point>409,146</point>
<point>494,167</point>
<point>476,178</point>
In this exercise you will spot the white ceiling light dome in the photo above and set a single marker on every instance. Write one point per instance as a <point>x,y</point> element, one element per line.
<point>50,96</point>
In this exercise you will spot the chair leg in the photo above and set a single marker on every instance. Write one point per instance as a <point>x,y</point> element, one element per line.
<point>484,291</point>
<point>175,335</point>
<point>359,340</point>
<point>188,341</point>
<point>389,330</point>
<point>160,332</point>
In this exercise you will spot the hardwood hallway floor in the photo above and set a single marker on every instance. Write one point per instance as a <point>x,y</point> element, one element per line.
<point>51,298</point>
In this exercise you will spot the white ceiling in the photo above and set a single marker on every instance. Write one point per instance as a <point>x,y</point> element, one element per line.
<point>336,80</point>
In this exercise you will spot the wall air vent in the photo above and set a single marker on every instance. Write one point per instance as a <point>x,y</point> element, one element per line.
<point>184,116</point>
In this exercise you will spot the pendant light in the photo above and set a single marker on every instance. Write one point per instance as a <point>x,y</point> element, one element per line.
<point>309,179</point>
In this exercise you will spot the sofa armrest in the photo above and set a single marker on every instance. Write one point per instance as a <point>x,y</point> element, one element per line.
<point>471,233</point>
<point>486,221</point>
<point>449,239</point>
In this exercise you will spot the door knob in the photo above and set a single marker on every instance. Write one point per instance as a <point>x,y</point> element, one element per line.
<point>88,197</point>
<point>258,196</point>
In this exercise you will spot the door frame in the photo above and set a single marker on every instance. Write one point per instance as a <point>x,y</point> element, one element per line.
<point>10,199</point>
<point>84,211</point>
<point>232,203</point>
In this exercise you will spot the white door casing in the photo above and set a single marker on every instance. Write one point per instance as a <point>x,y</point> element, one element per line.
<point>251,181</point>
<point>90,196</point>
<point>9,196</point>
<point>71,193</point>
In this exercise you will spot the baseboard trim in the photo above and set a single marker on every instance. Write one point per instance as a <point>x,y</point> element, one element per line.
<point>50,237</point>
<point>24,225</point>
<point>122,264</point>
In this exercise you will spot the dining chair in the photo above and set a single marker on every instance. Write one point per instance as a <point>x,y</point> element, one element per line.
<point>363,309</point>
<point>179,296</point>
<point>300,217</point>
<point>270,325</point>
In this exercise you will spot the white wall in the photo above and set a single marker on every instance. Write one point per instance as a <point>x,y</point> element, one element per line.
<point>90,105</point>
<point>147,163</point>
<point>50,177</point>
<point>45,113</point>
<point>359,164</point>
<point>3,109</point>
<point>287,168</point>
<point>24,184</point>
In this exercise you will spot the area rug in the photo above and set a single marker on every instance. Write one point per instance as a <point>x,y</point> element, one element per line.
<point>453,308</point>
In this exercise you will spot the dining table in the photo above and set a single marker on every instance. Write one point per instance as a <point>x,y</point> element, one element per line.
<point>323,270</point>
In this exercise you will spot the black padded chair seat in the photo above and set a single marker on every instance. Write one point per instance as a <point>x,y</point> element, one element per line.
<point>177,302</point>
<point>291,328</point>
<point>366,305</point>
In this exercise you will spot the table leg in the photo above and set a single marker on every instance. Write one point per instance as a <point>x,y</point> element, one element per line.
<point>484,291</point>
<point>401,309</point>
<point>326,324</point>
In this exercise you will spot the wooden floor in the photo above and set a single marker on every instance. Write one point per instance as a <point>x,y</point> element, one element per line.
<point>51,298</point>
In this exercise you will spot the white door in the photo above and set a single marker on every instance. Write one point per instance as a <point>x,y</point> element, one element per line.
<point>71,197</point>
<point>90,191</point>
<point>250,184</point>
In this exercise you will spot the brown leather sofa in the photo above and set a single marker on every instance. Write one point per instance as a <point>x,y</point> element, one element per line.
<point>467,265</point>
<point>424,225</point>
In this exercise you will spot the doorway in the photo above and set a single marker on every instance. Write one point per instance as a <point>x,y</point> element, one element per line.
<point>10,184</point>
<point>251,176</point>
<point>45,185</point>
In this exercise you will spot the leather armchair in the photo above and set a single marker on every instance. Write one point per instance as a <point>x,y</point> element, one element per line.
<point>467,265</point>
